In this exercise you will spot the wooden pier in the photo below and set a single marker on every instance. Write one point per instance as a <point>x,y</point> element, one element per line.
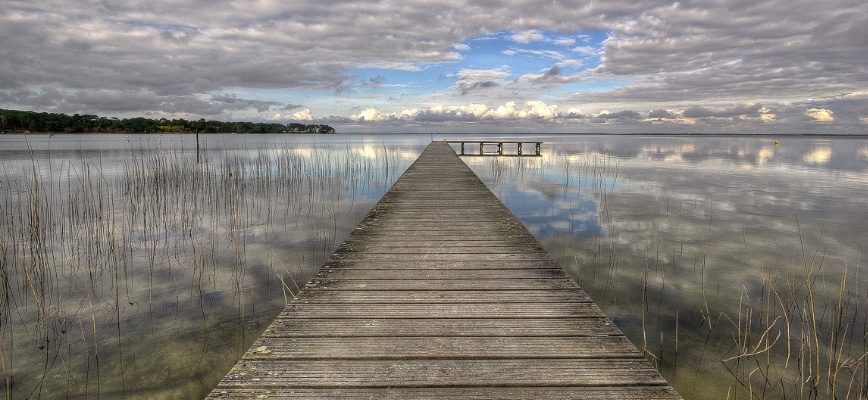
<point>440,292</point>
<point>496,148</point>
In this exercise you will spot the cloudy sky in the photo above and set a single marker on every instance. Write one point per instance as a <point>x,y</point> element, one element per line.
<point>772,66</point>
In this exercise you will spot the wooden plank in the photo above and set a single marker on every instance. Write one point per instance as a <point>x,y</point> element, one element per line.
<point>529,250</point>
<point>441,293</point>
<point>437,264</point>
<point>471,310</point>
<point>422,234</point>
<point>443,284</point>
<point>489,393</point>
<point>441,348</point>
<point>429,274</point>
<point>289,325</point>
<point>467,257</point>
<point>444,296</point>
<point>412,245</point>
<point>442,373</point>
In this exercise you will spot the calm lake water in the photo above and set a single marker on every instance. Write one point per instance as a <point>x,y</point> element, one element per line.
<point>129,267</point>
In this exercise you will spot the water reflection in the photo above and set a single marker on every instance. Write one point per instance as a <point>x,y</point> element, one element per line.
<point>736,264</point>
<point>129,267</point>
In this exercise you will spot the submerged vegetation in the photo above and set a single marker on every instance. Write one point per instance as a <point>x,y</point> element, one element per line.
<point>154,275</point>
<point>12,121</point>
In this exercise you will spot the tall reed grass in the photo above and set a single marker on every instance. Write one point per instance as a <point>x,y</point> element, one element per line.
<point>804,336</point>
<point>154,276</point>
<point>723,308</point>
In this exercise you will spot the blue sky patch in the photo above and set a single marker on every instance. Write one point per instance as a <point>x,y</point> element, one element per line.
<point>490,60</point>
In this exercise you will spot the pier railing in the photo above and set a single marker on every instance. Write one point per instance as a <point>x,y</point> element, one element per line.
<point>497,148</point>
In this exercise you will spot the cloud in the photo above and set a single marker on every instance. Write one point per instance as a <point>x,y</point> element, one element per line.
<point>482,75</point>
<point>573,113</point>
<point>290,106</point>
<point>370,115</point>
<point>821,114</point>
<point>661,114</point>
<point>570,63</point>
<point>566,42</point>
<point>378,80</point>
<point>474,112</point>
<point>528,36</point>
<point>552,77</point>
<point>537,115</point>
<point>698,112</point>
<point>707,62</point>
<point>554,55</point>
<point>741,111</point>
<point>731,49</point>
<point>624,114</point>
<point>236,103</point>
<point>470,80</point>
<point>538,109</point>
<point>585,50</point>
<point>552,73</point>
<point>467,87</point>
<point>303,115</point>
<point>531,36</point>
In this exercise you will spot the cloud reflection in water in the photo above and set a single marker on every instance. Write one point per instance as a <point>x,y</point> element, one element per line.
<point>695,232</point>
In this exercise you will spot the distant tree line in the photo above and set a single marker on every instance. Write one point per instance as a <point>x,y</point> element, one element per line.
<point>30,121</point>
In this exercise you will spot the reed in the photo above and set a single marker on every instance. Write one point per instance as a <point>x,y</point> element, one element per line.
<point>135,276</point>
<point>810,344</point>
<point>756,313</point>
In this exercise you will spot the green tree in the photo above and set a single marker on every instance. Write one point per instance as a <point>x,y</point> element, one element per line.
<point>29,121</point>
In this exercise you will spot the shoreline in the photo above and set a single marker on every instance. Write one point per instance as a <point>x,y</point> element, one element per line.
<point>770,135</point>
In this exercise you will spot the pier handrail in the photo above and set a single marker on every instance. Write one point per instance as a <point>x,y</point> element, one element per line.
<point>500,148</point>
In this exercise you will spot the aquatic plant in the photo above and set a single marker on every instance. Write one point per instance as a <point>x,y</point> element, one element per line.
<point>725,303</point>
<point>153,276</point>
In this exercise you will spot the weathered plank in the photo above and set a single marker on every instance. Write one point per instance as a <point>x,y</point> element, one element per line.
<point>441,293</point>
<point>413,296</point>
<point>443,347</point>
<point>470,393</point>
<point>471,257</point>
<point>442,373</point>
<point>289,325</point>
<point>429,274</point>
<point>443,284</point>
<point>408,246</point>
<point>470,310</point>
<point>437,264</point>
